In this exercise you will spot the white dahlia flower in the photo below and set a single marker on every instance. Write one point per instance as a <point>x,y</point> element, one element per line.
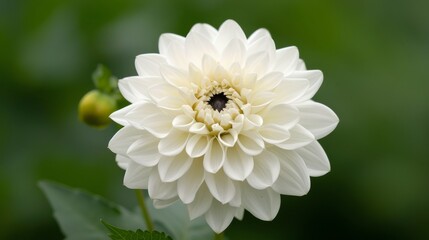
<point>223,123</point>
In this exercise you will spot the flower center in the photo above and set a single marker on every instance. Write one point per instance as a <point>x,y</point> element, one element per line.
<point>218,101</point>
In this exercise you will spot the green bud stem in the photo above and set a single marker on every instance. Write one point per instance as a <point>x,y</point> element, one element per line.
<point>145,212</point>
<point>218,236</point>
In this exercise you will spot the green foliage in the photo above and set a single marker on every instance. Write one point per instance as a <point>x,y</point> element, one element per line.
<point>103,79</point>
<point>122,234</point>
<point>78,214</point>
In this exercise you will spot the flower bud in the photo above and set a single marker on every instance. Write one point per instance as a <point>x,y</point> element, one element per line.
<point>95,108</point>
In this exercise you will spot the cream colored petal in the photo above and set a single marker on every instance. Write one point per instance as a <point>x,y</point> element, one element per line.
<point>215,156</point>
<point>123,139</point>
<point>171,168</point>
<point>315,159</point>
<point>201,204</point>
<point>174,143</point>
<point>274,134</point>
<point>299,137</point>
<point>228,139</point>
<point>144,151</point>
<point>219,216</point>
<point>148,64</point>
<point>166,39</point>
<point>221,186</point>
<point>263,204</point>
<point>317,118</point>
<point>158,189</point>
<point>174,76</point>
<point>315,79</point>
<point>234,52</point>
<point>206,30</point>
<point>228,31</point>
<point>250,143</point>
<point>286,60</point>
<point>196,46</point>
<point>137,176</point>
<point>265,172</point>
<point>183,122</point>
<point>290,90</point>
<point>197,145</point>
<point>294,178</point>
<point>190,182</point>
<point>238,165</point>
<point>284,115</point>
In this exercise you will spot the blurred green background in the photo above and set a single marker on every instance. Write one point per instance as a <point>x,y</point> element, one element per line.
<point>374,55</point>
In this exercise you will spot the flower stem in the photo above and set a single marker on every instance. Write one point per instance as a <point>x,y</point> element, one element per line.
<point>145,213</point>
<point>218,236</point>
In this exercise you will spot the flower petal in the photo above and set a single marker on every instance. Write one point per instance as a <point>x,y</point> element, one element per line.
<point>238,165</point>
<point>291,89</point>
<point>123,139</point>
<point>257,63</point>
<point>251,143</point>
<point>183,122</point>
<point>158,203</point>
<point>286,59</point>
<point>265,172</point>
<point>122,161</point>
<point>234,52</point>
<point>228,139</point>
<point>205,30</point>
<point>148,64</point>
<point>228,31</point>
<point>166,39</point>
<point>315,79</point>
<point>263,204</point>
<point>196,46</point>
<point>299,137</point>
<point>190,182</point>
<point>137,176</point>
<point>197,145</point>
<point>219,216</point>
<point>269,81</point>
<point>284,115</point>
<point>144,151</point>
<point>172,168</point>
<point>317,118</point>
<point>315,159</point>
<point>293,178</point>
<point>274,134</point>
<point>174,143</point>
<point>201,204</point>
<point>214,157</point>
<point>221,186</point>
<point>158,189</point>
<point>119,116</point>
<point>260,33</point>
<point>176,77</point>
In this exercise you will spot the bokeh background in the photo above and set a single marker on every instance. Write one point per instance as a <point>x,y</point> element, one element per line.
<point>374,55</point>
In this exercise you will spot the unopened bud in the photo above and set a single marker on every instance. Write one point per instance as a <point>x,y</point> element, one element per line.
<point>95,108</point>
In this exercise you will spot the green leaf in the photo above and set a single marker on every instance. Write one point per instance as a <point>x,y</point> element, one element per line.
<point>78,213</point>
<point>122,234</point>
<point>103,79</point>
<point>174,220</point>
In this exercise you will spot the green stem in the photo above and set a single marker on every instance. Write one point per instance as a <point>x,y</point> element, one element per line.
<point>145,213</point>
<point>218,236</point>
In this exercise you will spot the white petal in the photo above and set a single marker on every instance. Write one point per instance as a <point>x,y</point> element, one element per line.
<point>201,204</point>
<point>148,64</point>
<point>119,116</point>
<point>149,117</point>
<point>315,159</point>
<point>286,59</point>
<point>251,143</point>
<point>221,186</point>
<point>205,30</point>
<point>198,128</point>
<point>134,89</point>
<point>257,63</point>
<point>190,182</point>
<point>123,139</point>
<point>252,121</point>
<point>263,44</point>
<point>197,145</point>
<point>183,122</point>
<point>260,33</point>
<point>122,161</point>
<point>137,176</point>
<point>172,168</point>
<point>228,139</point>
<point>238,165</point>
<point>174,143</point>
<point>166,39</point>
<point>228,31</point>
<point>290,89</point>
<point>274,134</point>
<point>234,52</point>
<point>301,65</point>
<point>144,151</point>
<point>196,46</point>
<point>219,216</point>
<point>284,115</point>
<point>158,189</point>
<point>158,204</point>
<point>269,81</point>
<point>215,156</point>
<point>265,172</point>
<point>239,213</point>
<point>315,79</point>
<point>175,77</point>
<point>263,204</point>
<point>294,178</point>
<point>317,118</point>
<point>299,137</point>
<point>261,100</point>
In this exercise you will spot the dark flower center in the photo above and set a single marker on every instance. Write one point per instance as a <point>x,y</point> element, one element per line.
<point>218,101</point>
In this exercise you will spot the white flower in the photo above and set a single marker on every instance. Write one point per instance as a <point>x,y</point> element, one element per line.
<point>222,123</point>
